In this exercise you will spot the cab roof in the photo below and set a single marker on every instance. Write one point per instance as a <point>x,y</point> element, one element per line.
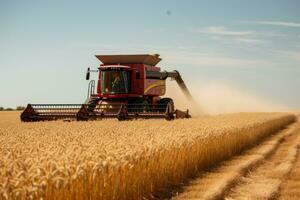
<point>129,59</point>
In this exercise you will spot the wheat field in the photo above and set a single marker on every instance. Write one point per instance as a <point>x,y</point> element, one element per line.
<point>119,160</point>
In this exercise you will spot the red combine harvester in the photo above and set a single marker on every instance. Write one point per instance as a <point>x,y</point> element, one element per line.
<point>129,87</point>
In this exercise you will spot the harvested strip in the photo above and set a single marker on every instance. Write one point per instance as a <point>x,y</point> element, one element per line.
<point>290,189</point>
<point>214,184</point>
<point>264,182</point>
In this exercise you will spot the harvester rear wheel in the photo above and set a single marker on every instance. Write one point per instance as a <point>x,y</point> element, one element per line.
<point>166,105</point>
<point>163,103</point>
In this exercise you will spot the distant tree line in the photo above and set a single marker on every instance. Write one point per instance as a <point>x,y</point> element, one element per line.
<point>12,109</point>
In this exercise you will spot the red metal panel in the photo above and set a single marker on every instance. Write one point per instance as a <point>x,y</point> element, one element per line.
<point>139,87</point>
<point>154,87</point>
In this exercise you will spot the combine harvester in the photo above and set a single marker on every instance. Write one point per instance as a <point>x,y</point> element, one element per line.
<point>129,87</point>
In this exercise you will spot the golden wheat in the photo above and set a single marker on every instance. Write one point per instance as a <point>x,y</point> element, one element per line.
<point>118,160</point>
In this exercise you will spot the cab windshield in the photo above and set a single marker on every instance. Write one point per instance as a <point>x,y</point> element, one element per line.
<point>114,82</point>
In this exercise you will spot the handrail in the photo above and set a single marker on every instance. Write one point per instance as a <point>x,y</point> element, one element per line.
<point>91,88</point>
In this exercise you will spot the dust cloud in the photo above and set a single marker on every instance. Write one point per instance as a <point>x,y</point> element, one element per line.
<point>219,98</point>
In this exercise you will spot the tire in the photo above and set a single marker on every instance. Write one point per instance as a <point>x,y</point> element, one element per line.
<point>163,103</point>
<point>138,105</point>
<point>92,103</point>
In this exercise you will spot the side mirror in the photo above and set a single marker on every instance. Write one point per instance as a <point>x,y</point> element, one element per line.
<point>87,76</point>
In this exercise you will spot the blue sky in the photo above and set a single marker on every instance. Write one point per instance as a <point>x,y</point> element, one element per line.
<point>46,46</point>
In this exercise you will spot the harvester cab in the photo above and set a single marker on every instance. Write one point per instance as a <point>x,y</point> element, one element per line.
<point>128,87</point>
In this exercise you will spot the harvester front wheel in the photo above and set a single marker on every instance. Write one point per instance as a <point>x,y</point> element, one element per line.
<point>92,103</point>
<point>139,105</point>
